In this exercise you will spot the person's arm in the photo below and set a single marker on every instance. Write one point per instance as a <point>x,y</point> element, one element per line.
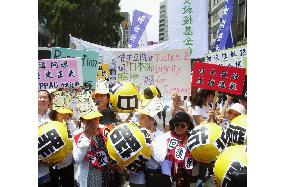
<point>80,147</point>
<point>198,119</point>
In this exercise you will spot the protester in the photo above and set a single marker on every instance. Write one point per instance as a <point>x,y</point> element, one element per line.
<point>202,112</point>
<point>148,121</point>
<point>201,106</point>
<point>163,117</point>
<point>89,147</point>
<point>101,98</point>
<point>170,150</point>
<point>44,101</point>
<point>63,172</point>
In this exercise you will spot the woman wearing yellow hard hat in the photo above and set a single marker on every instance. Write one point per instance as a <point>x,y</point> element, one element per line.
<point>61,112</point>
<point>89,146</point>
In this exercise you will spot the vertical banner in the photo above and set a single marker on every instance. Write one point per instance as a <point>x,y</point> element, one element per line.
<point>103,72</point>
<point>135,67</point>
<point>172,72</point>
<point>220,78</point>
<point>139,23</point>
<point>89,62</point>
<point>59,73</point>
<point>224,31</point>
<point>233,57</point>
<point>188,25</point>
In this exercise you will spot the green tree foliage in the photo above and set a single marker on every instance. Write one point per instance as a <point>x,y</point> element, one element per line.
<point>96,21</point>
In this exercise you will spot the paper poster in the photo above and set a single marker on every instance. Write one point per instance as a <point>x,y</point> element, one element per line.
<point>233,57</point>
<point>103,72</point>
<point>135,67</point>
<point>89,62</point>
<point>172,72</point>
<point>220,78</point>
<point>59,73</point>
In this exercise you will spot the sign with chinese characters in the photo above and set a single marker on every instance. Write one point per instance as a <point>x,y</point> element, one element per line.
<point>89,62</point>
<point>139,23</point>
<point>224,31</point>
<point>220,78</point>
<point>53,141</point>
<point>126,142</point>
<point>233,57</point>
<point>188,25</point>
<point>202,140</point>
<point>59,73</point>
<point>231,161</point>
<point>103,72</point>
<point>135,67</point>
<point>172,72</point>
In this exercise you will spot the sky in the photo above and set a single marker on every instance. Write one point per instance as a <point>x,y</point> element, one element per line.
<point>151,7</point>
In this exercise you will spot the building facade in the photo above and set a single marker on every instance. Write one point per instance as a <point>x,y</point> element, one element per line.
<point>163,22</point>
<point>239,21</point>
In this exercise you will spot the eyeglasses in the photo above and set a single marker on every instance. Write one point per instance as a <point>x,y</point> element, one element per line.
<point>181,125</point>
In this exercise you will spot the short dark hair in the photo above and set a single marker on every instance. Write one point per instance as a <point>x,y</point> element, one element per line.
<point>52,115</point>
<point>181,117</point>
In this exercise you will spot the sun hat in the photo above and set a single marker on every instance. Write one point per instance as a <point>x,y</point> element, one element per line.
<point>61,102</point>
<point>86,107</point>
<point>238,107</point>
<point>154,106</point>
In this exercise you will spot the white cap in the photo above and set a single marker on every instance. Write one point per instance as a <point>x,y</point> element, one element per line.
<point>238,107</point>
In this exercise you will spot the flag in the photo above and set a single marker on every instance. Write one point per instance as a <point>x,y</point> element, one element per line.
<point>139,23</point>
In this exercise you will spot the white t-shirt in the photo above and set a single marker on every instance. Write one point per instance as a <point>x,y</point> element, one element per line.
<point>203,112</point>
<point>42,118</point>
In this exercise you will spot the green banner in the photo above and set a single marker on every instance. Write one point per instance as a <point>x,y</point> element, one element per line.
<point>89,62</point>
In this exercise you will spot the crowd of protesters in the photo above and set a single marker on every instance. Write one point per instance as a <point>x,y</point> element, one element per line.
<point>177,118</point>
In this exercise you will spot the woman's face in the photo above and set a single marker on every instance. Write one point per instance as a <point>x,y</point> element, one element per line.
<point>210,98</point>
<point>232,114</point>
<point>43,100</point>
<point>181,128</point>
<point>60,117</point>
<point>146,121</point>
<point>91,122</point>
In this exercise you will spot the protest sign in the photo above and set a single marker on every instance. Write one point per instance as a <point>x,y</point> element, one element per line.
<point>219,78</point>
<point>44,53</point>
<point>233,57</point>
<point>135,67</point>
<point>103,72</point>
<point>172,71</point>
<point>59,73</point>
<point>188,25</point>
<point>89,61</point>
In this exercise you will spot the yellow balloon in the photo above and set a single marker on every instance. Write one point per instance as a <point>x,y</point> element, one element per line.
<point>206,142</point>
<point>53,142</point>
<point>124,97</point>
<point>237,130</point>
<point>127,142</point>
<point>231,159</point>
